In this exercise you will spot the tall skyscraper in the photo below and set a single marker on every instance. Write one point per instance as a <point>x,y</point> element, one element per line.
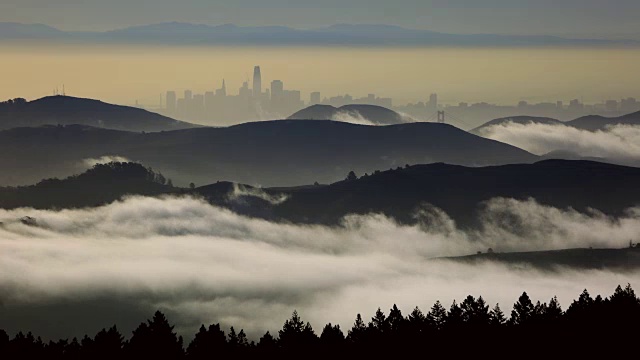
<point>277,94</point>
<point>433,102</point>
<point>314,98</point>
<point>244,91</point>
<point>188,95</point>
<point>171,102</point>
<point>257,82</point>
<point>277,87</point>
<point>222,92</point>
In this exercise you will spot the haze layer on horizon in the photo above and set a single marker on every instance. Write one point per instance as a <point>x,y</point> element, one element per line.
<point>575,18</point>
<point>123,74</point>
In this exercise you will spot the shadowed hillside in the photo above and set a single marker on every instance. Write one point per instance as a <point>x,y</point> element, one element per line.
<point>102,184</point>
<point>524,120</point>
<point>590,122</point>
<point>595,122</point>
<point>612,259</point>
<point>460,191</point>
<point>270,153</point>
<point>66,110</point>
<point>376,115</point>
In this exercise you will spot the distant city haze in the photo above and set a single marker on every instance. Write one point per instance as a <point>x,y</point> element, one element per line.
<point>125,74</point>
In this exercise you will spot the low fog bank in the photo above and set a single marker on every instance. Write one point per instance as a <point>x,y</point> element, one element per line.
<point>80,270</point>
<point>91,162</point>
<point>619,143</point>
<point>355,117</point>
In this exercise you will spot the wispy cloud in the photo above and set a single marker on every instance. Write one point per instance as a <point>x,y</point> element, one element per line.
<point>240,191</point>
<point>90,162</point>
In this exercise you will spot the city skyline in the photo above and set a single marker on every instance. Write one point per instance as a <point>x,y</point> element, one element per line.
<point>254,101</point>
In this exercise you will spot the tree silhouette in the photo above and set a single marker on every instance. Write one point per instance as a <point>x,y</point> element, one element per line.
<point>553,311</point>
<point>268,343</point>
<point>437,316</point>
<point>4,342</point>
<point>522,310</point>
<point>296,334</point>
<point>395,320</point>
<point>155,339</point>
<point>358,331</point>
<point>595,324</point>
<point>417,321</point>
<point>496,316</point>
<point>379,322</point>
<point>332,336</point>
<point>352,176</point>
<point>207,343</point>
<point>107,344</point>
<point>475,312</point>
<point>239,340</point>
<point>455,317</point>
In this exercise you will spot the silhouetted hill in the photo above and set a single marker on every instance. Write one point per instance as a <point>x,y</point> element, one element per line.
<point>376,115</point>
<point>568,155</point>
<point>588,259</point>
<point>459,191</point>
<point>340,34</point>
<point>517,120</point>
<point>66,110</point>
<point>595,122</point>
<point>590,122</point>
<point>269,153</point>
<point>102,184</point>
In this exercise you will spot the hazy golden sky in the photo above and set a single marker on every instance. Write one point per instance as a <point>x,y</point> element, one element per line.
<point>123,74</point>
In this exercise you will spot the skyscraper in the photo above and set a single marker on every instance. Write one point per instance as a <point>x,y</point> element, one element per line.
<point>433,102</point>
<point>314,98</point>
<point>277,94</point>
<point>257,82</point>
<point>222,92</point>
<point>171,102</point>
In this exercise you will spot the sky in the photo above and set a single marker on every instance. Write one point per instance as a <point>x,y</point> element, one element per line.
<point>503,76</point>
<point>578,18</point>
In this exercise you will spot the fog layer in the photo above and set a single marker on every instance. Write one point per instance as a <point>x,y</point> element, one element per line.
<point>79,270</point>
<point>619,142</point>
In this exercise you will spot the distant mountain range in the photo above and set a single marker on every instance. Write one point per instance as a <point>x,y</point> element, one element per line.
<point>376,115</point>
<point>269,153</point>
<point>340,34</point>
<point>460,191</point>
<point>590,122</point>
<point>66,110</point>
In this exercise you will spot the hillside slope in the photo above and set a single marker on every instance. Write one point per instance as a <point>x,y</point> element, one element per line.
<point>67,110</point>
<point>270,153</point>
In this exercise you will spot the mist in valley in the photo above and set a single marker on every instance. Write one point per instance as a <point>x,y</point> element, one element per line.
<point>203,264</point>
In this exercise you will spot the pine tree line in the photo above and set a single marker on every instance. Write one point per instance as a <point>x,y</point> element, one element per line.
<point>471,327</point>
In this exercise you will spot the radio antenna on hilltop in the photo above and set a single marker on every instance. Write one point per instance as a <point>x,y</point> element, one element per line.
<point>63,92</point>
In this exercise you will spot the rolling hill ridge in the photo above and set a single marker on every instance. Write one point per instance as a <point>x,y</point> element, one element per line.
<point>67,110</point>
